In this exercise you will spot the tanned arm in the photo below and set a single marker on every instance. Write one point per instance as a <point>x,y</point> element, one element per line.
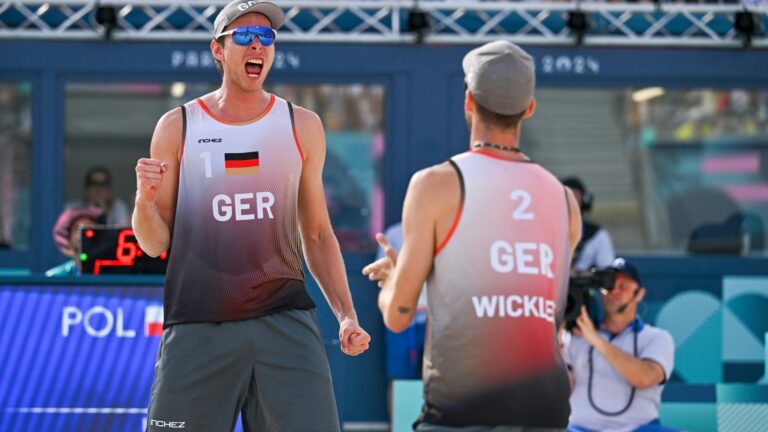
<point>321,248</point>
<point>157,183</point>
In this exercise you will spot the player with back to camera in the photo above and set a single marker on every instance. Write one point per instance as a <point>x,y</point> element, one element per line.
<point>492,233</point>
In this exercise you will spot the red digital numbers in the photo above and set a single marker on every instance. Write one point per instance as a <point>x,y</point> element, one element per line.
<point>126,252</point>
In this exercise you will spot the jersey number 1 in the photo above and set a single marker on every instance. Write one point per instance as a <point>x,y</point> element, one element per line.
<point>206,157</point>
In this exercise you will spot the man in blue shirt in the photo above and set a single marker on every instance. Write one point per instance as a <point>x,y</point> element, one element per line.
<point>618,369</point>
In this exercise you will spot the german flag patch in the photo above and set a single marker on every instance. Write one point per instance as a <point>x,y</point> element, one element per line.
<point>241,163</point>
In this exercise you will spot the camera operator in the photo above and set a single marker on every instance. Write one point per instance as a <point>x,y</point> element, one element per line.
<point>618,367</point>
<point>595,250</point>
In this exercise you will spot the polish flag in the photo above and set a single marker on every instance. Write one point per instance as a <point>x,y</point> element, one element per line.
<point>153,320</point>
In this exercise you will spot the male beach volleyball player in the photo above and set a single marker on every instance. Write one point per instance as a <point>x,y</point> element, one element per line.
<point>492,233</point>
<point>234,188</point>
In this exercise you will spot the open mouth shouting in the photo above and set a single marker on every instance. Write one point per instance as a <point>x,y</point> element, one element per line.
<point>253,67</point>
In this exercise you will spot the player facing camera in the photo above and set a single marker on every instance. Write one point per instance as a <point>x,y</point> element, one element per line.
<point>587,290</point>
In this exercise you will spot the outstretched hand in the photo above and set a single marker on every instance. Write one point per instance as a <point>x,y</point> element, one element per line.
<point>380,269</point>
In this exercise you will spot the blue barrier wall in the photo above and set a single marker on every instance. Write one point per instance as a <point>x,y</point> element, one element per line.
<point>51,361</point>
<point>78,353</point>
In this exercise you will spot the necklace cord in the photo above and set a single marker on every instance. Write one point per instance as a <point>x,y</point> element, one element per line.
<point>479,144</point>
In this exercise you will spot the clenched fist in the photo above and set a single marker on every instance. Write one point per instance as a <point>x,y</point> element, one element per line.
<point>354,340</point>
<point>149,176</point>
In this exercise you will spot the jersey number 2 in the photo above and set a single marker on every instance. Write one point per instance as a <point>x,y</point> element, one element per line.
<point>521,212</point>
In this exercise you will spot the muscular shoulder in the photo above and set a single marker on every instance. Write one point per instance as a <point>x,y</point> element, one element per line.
<point>437,186</point>
<point>171,120</point>
<point>168,133</point>
<point>435,177</point>
<point>306,118</point>
<point>309,130</point>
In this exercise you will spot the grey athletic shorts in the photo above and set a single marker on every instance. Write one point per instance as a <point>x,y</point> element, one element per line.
<point>272,369</point>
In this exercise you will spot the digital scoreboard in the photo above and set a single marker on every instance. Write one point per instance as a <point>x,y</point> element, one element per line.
<point>115,250</point>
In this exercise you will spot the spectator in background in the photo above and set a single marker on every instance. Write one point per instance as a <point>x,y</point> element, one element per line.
<point>595,250</point>
<point>98,193</point>
<point>618,367</point>
<point>66,236</point>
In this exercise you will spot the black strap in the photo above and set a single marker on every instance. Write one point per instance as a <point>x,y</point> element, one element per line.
<point>461,180</point>
<point>290,112</point>
<point>183,128</point>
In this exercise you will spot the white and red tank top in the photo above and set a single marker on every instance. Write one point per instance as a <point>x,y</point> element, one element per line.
<point>497,292</point>
<point>235,250</point>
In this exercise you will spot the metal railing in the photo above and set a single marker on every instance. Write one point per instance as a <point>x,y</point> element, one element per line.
<point>387,21</point>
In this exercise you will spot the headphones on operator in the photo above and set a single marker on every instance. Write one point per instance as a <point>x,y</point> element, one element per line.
<point>587,199</point>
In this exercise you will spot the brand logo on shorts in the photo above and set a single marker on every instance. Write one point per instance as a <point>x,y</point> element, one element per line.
<point>209,140</point>
<point>167,424</point>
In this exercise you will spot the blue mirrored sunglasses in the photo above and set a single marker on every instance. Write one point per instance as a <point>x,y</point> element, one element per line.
<point>243,36</point>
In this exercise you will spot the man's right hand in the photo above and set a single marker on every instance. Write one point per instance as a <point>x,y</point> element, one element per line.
<point>380,269</point>
<point>149,176</point>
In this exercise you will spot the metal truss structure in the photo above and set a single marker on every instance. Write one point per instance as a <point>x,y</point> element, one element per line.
<point>387,21</point>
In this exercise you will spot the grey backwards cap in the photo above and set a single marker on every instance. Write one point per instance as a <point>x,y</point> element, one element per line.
<point>238,8</point>
<point>500,76</point>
